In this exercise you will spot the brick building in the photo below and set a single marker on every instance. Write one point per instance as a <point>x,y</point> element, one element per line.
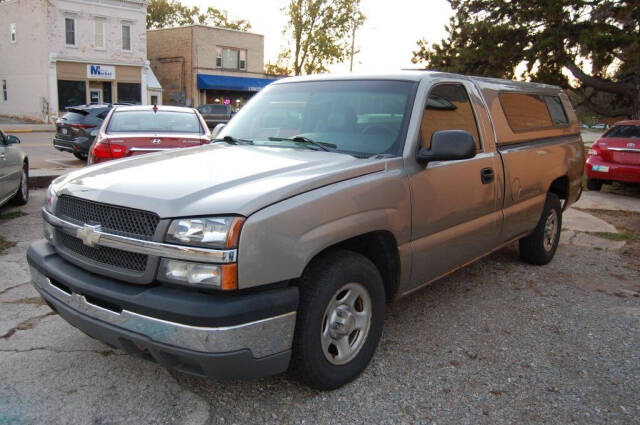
<point>197,64</point>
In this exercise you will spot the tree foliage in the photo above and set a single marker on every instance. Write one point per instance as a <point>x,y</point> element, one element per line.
<point>171,13</point>
<point>597,41</point>
<point>319,33</point>
<point>280,66</point>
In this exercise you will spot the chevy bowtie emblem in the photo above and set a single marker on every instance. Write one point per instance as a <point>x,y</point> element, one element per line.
<point>89,235</point>
<point>156,141</point>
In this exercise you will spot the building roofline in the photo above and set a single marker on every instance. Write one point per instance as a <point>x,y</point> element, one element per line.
<point>204,26</point>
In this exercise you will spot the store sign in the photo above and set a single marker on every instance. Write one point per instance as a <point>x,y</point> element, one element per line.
<point>102,72</point>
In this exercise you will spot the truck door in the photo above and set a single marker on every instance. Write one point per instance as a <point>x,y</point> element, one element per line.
<point>456,214</point>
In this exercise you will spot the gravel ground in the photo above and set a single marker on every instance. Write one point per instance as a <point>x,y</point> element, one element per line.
<point>496,342</point>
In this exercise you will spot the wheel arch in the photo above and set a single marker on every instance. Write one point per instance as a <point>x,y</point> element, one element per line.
<point>381,248</point>
<point>560,187</point>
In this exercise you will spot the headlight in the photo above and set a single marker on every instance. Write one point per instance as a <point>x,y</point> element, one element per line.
<point>208,232</point>
<point>50,199</point>
<point>199,275</point>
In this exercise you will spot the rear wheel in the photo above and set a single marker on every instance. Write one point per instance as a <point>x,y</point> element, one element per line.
<point>593,184</point>
<point>539,247</point>
<point>339,321</point>
<point>22,197</point>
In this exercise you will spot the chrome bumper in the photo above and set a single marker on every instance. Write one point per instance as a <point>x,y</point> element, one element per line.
<point>263,337</point>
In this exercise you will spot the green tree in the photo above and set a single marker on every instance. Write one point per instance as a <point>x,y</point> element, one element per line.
<point>171,13</point>
<point>319,32</point>
<point>597,41</point>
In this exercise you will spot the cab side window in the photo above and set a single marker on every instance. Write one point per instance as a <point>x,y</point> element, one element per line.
<point>448,108</point>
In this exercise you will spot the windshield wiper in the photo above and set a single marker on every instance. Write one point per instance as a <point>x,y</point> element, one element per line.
<point>233,141</point>
<point>329,147</point>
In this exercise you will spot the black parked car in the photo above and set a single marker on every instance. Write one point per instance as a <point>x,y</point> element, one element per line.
<point>77,128</point>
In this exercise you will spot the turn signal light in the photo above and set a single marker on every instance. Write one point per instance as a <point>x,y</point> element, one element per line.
<point>594,151</point>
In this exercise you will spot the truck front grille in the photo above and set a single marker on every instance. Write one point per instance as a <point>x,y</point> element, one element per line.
<point>113,219</point>
<point>113,258</point>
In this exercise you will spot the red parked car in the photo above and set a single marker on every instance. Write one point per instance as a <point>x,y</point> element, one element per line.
<point>135,130</point>
<point>615,156</point>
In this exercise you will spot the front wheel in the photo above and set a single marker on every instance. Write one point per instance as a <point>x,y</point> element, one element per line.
<point>539,247</point>
<point>339,321</point>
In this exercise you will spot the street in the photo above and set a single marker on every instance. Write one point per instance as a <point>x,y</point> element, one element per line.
<point>496,342</point>
<point>42,155</point>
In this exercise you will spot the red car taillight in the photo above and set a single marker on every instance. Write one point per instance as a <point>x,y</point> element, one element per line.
<point>102,150</point>
<point>594,150</point>
<point>83,126</point>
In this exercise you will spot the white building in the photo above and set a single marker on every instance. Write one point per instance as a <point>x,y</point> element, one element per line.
<point>59,53</point>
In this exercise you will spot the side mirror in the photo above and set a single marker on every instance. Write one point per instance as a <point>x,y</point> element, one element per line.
<point>12,140</point>
<point>216,130</point>
<point>448,145</point>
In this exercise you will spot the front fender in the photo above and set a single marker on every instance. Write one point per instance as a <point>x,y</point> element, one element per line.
<point>277,242</point>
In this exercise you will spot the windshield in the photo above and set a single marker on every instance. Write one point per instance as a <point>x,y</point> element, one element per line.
<point>155,122</point>
<point>358,117</point>
<point>624,131</point>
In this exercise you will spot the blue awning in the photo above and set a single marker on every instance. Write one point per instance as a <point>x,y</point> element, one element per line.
<point>224,82</point>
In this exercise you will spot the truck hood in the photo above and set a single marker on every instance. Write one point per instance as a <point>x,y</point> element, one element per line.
<point>212,179</point>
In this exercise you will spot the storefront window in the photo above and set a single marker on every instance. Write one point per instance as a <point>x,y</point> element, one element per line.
<point>129,93</point>
<point>71,93</point>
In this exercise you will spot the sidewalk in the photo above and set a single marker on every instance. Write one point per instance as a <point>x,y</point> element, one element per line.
<point>11,128</point>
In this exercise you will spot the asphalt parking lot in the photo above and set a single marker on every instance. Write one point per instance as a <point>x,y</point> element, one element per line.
<point>496,342</point>
<point>42,155</point>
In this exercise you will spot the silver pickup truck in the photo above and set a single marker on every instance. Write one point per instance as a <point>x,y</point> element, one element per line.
<point>325,198</point>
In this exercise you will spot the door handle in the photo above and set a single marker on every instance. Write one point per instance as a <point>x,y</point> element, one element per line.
<point>2,155</point>
<point>487,175</point>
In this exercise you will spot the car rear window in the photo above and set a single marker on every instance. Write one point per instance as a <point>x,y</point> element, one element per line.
<point>157,122</point>
<point>624,132</point>
<point>74,116</point>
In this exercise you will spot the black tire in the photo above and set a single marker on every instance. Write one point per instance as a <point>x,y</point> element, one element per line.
<point>318,290</point>
<point>80,156</point>
<point>594,184</point>
<point>539,247</point>
<point>22,196</point>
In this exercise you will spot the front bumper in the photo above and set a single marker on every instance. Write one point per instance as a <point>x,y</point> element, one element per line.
<point>611,171</point>
<point>243,336</point>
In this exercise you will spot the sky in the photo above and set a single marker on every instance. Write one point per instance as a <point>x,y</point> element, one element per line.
<point>386,40</point>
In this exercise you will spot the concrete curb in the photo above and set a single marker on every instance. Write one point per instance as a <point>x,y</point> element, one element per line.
<point>29,130</point>
<point>42,178</point>
<point>39,182</point>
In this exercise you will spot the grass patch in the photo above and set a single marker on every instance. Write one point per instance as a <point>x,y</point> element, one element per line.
<point>5,244</point>
<point>11,215</point>
<point>626,237</point>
